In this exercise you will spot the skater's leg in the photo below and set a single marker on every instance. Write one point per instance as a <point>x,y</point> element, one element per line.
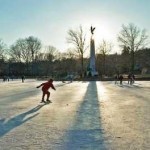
<point>48,95</point>
<point>43,95</point>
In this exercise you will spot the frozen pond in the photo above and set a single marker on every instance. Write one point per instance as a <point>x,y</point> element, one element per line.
<point>83,115</point>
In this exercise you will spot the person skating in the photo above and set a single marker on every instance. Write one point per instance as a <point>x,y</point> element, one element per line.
<point>22,78</point>
<point>45,88</point>
<point>121,79</point>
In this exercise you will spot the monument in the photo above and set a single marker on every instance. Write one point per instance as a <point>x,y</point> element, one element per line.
<point>92,68</point>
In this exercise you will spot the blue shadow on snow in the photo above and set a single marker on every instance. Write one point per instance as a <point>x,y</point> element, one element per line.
<point>86,132</point>
<point>6,126</point>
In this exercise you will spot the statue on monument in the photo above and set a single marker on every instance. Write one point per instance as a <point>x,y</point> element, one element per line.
<point>92,30</point>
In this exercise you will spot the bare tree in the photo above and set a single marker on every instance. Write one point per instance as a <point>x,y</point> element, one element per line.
<point>15,53</point>
<point>2,49</point>
<point>78,39</point>
<point>104,48</point>
<point>70,54</point>
<point>133,38</point>
<point>25,50</point>
<point>19,51</point>
<point>33,45</point>
<point>51,53</point>
<point>40,57</point>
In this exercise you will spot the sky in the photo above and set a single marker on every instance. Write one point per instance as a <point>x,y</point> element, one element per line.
<point>50,20</point>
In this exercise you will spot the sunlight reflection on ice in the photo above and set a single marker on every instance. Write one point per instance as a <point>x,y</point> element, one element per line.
<point>102,96</point>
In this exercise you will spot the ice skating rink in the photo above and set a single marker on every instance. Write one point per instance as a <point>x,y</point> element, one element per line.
<point>82,116</point>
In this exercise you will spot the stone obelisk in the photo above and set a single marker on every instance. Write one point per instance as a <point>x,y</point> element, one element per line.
<point>92,54</point>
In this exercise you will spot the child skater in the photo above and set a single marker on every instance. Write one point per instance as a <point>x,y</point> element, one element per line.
<point>45,87</point>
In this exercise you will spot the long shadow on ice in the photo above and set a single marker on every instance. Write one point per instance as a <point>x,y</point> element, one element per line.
<point>7,126</point>
<point>86,132</point>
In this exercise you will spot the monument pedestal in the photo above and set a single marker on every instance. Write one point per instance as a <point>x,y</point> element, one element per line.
<point>92,68</point>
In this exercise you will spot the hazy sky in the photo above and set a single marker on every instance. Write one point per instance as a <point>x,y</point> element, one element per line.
<point>49,20</point>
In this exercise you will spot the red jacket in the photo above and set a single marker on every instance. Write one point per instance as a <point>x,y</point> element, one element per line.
<point>47,85</point>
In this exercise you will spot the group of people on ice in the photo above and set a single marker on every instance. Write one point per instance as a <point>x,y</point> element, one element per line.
<point>130,78</point>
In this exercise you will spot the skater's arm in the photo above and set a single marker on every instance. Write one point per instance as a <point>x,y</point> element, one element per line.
<point>40,85</point>
<point>53,87</point>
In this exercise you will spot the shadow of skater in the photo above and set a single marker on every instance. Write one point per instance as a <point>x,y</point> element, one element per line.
<point>6,126</point>
<point>86,131</point>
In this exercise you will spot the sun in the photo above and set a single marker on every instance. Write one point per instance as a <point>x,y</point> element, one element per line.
<point>103,31</point>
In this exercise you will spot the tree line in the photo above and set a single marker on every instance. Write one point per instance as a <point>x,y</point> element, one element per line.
<point>29,57</point>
